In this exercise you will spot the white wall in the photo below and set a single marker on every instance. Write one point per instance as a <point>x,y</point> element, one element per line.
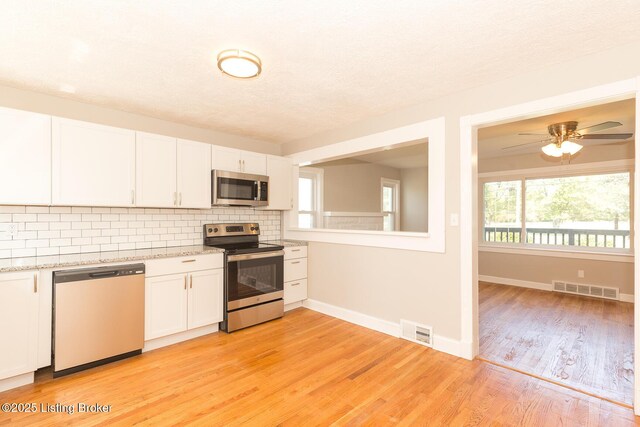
<point>426,286</point>
<point>62,107</point>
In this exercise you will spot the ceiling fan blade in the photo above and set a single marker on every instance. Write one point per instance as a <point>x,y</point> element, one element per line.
<point>535,134</point>
<point>596,142</point>
<point>607,136</point>
<point>512,147</point>
<point>599,127</point>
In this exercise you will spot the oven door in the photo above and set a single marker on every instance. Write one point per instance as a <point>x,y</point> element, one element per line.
<point>240,189</point>
<point>254,279</point>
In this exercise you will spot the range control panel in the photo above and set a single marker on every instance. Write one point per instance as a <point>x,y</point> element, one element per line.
<point>220,230</point>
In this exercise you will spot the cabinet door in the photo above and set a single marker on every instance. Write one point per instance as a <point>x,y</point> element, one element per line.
<point>25,158</point>
<point>155,170</point>
<point>205,297</point>
<point>254,163</point>
<point>93,165</point>
<point>295,291</point>
<point>165,305</point>
<point>280,172</point>
<point>226,159</point>
<point>18,323</point>
<point>194,174</point>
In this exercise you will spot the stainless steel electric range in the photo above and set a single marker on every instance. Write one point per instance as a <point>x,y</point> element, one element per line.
<point>254,277</point>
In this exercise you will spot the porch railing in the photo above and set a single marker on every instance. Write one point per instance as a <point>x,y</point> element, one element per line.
<point>619,239</point>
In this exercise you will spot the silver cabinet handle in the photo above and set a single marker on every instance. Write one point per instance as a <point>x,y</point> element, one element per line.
<point>191,281</point>
<point>175,198</point>
<point>295,284</point>
<point>189,260</point>
<point>296,262</point>
<point>185,282</point>
<point>133,197</point>
<point>295,250</point>
<point>240,165</point>
<point>180,198</point>
<point>35,283</point>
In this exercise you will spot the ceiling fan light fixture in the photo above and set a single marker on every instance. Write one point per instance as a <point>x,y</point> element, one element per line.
<point>552,150</point>
<point>570,147</point>
<point>239,63</point>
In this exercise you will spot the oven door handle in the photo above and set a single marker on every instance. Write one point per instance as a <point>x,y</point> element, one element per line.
<point>244,257</point>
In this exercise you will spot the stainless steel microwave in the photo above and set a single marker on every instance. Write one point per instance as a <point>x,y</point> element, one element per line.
<point>239,189</point>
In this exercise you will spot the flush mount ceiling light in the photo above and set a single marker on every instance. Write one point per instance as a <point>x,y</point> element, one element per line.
<point>239,63</point>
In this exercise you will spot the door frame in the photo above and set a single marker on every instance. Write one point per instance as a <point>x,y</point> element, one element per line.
<point>469,125</point>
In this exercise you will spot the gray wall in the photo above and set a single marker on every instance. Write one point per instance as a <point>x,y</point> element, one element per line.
<point>392,284</point>
<point>414,199</point>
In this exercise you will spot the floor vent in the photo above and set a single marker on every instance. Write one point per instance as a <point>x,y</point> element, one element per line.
<point>590,290</point>
<point>417,333</point>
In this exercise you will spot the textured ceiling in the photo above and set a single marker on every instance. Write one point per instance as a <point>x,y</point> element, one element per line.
<point>326,63</point>
<point>493,140</point>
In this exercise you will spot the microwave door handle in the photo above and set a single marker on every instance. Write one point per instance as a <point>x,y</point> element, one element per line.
<point>257,190</point>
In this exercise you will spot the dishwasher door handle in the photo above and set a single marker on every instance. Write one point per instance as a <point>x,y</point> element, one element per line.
<point>102,274</point>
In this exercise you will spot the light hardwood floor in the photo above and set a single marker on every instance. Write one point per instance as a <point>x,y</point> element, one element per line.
<point>585,343</point>
<point>310,369</point>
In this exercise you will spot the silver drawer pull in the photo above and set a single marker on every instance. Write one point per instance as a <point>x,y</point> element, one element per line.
<point>295,284</point>
<point>295,262</point>
<point>295,250</point>
<point>189,260</point>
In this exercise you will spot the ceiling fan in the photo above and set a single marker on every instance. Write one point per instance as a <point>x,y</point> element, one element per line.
<point>562,137</point>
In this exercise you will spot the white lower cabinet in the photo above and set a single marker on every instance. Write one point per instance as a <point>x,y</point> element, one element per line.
<point>205,298</point>
<point>295,274</point>
<point>18,323</point>
<point>186,300</point>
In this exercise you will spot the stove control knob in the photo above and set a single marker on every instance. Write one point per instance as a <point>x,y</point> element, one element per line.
<point>215,230</point>
<point>210,230</point>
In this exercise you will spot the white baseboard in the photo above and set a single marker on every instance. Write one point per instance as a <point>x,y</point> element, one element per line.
<point>292,305</point>
<point>626,297</point>
<point>515,282</point>
<point>179,337</point>
<point>17,381</point>
<point>351,316</point>
<point>440,343</point>
<point>535,285</point>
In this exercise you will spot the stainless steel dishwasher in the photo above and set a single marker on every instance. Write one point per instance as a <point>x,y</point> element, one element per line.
<point>98,316</point>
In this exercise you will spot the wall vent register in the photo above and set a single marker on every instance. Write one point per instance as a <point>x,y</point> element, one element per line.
<point>417,333</point>
<point>586,290</point>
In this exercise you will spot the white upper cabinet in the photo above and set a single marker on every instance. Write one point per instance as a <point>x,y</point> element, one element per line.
<point>280,172</point>
<point>194,174</point>
<point>25,158</point>
<point>254,163</point>
<point>93,165</point>
<point>155,170</point>
<point>229,159</point>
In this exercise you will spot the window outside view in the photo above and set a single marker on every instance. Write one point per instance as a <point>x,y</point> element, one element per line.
<point>582,211</point>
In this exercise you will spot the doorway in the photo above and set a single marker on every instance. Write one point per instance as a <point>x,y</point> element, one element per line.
<point>563,358</point>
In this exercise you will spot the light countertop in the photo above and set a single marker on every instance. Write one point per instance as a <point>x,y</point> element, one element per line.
<point>92,258</point>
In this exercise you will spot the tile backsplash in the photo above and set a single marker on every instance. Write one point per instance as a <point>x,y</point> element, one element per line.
<point>65,230</point>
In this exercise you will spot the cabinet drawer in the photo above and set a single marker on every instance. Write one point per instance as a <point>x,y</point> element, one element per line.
<point>295,291</point>
<point>158,267</point>
<point>295,252</point>
<point>295,269</point>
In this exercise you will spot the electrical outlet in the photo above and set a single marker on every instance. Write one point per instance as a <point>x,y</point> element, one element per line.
<point>12,231</point>
<point>581,274</point>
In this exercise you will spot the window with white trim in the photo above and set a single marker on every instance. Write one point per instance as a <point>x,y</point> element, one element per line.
<point>580,211</point>
<point>310,198</point>
<point>390,194</point>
